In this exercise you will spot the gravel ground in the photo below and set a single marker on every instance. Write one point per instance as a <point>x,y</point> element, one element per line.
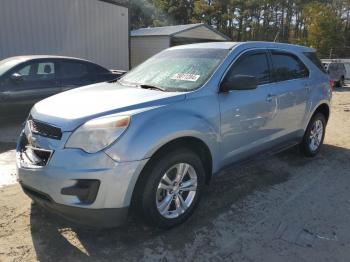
<point>284,208</point>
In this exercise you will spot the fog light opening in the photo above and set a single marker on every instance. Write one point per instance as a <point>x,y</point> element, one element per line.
<point>84,189</point>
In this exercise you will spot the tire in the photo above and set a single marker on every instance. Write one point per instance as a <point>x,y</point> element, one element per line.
<point>153,198</point>
<point>342,82</point>
<point>312,141</point>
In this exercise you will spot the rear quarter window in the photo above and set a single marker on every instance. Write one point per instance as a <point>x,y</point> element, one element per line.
<point>312,56</point>
<point>72,69</point>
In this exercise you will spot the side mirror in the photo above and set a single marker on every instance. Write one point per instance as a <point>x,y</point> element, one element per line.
<point>239,82</point>
<point>16,78</point>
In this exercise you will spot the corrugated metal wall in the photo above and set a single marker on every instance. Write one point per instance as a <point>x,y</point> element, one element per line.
<point>143,47</point>
<point>90,29</point>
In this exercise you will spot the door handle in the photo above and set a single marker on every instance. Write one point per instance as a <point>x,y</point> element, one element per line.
<point>270,97</point>
<point>307,87</point>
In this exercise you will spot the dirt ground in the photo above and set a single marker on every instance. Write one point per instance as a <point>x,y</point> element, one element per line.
<point>284,208</point>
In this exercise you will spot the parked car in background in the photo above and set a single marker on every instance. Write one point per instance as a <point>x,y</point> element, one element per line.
<point>336,72</point>
<point>153,138</point>
<point>24,80</point>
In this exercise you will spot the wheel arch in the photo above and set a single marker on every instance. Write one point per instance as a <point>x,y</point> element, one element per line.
<point>324,109</point>
<point>192,143</point>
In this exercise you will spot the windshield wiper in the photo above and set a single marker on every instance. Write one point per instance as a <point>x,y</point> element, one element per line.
<point>153,87</point>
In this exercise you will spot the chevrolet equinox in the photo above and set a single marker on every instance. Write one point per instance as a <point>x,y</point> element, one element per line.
<point>153,139</point>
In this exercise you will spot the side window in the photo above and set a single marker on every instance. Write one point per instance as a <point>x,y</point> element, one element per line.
<point>37,71</point>
<point>73,70</point>
<point>312,56</point>
<point>252,64</point>
<point>46,68</point>
<point>25,70</point>
<point>287,67</point>
<point>95,69</point>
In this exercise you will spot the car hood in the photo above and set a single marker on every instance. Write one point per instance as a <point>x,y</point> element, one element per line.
<point>70,109</point>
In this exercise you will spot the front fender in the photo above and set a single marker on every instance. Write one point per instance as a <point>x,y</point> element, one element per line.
<point>152,129</point>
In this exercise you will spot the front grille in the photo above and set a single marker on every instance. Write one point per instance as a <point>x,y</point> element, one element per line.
<point>43,129</point>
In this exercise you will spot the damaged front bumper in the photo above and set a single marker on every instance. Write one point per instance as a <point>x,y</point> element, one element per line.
<point>89,189</point>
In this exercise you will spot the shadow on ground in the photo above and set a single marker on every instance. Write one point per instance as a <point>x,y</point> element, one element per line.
<point>56,240</point>
<point>6,146</point>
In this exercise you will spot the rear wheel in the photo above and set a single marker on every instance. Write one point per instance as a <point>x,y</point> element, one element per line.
<point>342,82</point>
<point>172,188</point>
<point>314,136</point>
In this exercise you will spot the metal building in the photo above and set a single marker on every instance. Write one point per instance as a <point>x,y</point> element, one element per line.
<point>146,42</point>
<point>97,30</point>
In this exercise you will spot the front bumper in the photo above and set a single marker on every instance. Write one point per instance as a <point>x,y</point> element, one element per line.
<point>64,168</point>
<point>104,217</point>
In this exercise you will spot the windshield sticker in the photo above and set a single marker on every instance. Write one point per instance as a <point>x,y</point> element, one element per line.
<point>185,77</point>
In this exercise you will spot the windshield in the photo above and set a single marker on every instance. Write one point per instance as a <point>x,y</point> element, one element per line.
<point>177,70</point>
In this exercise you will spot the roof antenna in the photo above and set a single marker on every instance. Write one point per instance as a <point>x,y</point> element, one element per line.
<point>277,35</point>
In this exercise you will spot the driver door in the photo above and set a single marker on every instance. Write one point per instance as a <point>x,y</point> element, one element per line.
<point>246,114</point>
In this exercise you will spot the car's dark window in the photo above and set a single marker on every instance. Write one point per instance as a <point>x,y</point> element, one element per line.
<point>312,56</point>
<point>96,69</point>
<point>341,66</point>
<point>287,66</point>
<point>333,66</point>
<point>253,64</point>
<point>35,71</point>
<point>69,70</point>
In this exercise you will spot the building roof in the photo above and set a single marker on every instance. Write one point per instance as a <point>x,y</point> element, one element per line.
<point>178,30</point>
<point>208,45</point>
<point>245,45</point>
<point>123,3</point>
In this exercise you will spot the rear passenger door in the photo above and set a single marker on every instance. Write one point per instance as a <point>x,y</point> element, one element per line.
<point>291,90</point>
<point>73,74</point>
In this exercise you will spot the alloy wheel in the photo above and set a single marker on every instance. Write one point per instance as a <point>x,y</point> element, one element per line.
<point>316,135</point>
<point>176,190</point>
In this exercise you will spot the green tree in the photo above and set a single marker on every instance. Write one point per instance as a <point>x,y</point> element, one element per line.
<point>323,24</point>
<point>323,27</point>
<point>175,11</point>
<point>142,13</point>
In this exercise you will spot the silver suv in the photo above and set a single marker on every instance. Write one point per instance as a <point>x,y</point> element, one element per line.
<point>152,140</point>
<point>336,71</point>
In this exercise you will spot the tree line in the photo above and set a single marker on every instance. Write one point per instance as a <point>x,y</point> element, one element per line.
<point>324,25</point>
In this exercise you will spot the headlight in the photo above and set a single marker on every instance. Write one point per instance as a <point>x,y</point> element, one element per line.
<point>98,133</point>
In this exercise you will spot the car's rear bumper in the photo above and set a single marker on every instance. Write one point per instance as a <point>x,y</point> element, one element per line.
<point>104,217</point>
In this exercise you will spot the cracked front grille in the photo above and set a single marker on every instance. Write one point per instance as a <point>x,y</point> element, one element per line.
<point>31,156</point>
<point>43,129</point>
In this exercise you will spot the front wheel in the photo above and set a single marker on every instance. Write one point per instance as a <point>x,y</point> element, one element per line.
<point>172,188</point>
<point>314,136</point>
